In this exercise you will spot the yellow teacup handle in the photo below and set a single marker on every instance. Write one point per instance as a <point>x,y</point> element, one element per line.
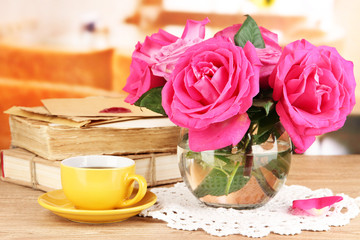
<point>141,192</point>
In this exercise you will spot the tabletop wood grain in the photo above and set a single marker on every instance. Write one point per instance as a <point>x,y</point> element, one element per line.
<point>21,217</point>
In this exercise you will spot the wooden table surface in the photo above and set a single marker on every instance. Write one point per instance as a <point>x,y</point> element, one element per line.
<point>21,217</point>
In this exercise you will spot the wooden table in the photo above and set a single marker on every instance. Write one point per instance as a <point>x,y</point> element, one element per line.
<point>21,217</point>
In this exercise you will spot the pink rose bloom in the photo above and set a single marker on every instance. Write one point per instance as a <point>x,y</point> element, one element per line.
<point>315,90</point>
<point>153,60</point>
<point>268,56</point>
<point>210,90</point>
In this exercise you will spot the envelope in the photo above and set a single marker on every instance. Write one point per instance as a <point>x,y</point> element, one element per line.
<point>83,112</point>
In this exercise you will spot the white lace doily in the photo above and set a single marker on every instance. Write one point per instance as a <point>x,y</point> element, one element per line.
<point>181,210</point>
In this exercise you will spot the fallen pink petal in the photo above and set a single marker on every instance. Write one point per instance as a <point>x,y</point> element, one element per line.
<point>315,206</point>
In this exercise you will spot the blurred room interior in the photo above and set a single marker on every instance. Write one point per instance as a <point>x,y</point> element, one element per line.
<point>51,48</point>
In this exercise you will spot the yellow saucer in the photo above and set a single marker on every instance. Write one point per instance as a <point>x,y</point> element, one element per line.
<point>56,202</point>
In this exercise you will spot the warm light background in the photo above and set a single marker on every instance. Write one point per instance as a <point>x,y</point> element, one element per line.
<point>45,51</point>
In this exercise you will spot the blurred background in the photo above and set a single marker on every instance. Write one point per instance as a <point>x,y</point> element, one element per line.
<point>65,48</point>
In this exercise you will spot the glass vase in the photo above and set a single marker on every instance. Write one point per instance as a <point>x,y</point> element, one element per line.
<point>244,176</point>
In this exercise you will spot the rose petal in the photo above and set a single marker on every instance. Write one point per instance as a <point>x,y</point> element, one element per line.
<point>297,135</point>
<point>315,206</point>
<point>317,203</point>
<point>219,135</point>
<point>194,29</point>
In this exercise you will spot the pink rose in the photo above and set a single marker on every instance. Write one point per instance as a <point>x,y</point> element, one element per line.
<point>315,90</point>
<point>210,90</point>
<point>268,56</point>
<point>153,61</point>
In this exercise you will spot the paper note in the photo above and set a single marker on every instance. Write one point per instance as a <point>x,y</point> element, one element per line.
<point>95,106</point>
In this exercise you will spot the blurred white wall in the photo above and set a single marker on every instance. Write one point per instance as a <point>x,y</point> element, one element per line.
<point>41,20</point>
<point>64,13</point>
<point>45,19</point>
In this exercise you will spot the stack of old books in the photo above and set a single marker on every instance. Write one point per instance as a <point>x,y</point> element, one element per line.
<point>62,128</point>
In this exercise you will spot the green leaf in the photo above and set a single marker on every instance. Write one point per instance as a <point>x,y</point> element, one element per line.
<point>266,103</point>
<point>152,100</point>
<point>249,31</point>
<point>218,183</point>
<point>266,127</point>
<point>213,184</point>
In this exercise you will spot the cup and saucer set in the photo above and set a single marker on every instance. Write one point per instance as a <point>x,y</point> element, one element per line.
<point>98,189</point>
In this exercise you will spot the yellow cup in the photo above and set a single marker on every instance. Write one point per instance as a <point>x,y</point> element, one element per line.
<point>99,182</point>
